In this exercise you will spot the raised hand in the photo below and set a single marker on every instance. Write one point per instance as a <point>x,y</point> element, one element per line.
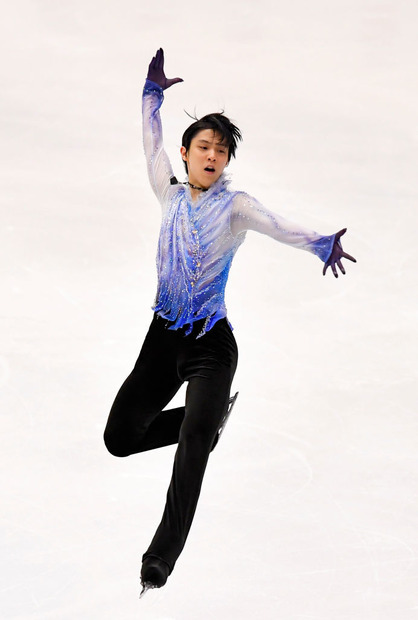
<point>156,71</point>
<point>336,255</point>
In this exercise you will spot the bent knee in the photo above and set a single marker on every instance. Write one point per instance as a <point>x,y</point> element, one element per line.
<point>114,445</point>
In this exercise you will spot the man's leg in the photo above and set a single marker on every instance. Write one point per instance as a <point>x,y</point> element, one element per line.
<point>136,421</point>
<point>206,404</point>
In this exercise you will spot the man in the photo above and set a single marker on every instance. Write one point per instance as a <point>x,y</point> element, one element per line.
<point>190,338</point>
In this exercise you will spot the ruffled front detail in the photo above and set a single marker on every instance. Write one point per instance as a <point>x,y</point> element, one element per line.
<point>195,253</point>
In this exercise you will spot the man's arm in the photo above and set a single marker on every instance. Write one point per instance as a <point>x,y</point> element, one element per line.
<point>159,168</point>
<point>249,214</point>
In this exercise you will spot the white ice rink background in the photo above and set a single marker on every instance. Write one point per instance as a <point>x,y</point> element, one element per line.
<point>309,505</point>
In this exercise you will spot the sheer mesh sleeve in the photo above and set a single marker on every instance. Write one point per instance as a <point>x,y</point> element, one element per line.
<point>158,164</point>
<point>249,214</point>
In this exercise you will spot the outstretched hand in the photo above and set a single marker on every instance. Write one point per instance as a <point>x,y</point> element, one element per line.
<point>156,71</point>
<point>336,255</point>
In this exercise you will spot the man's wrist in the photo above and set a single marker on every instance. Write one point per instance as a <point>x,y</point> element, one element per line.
<point>152,87</point>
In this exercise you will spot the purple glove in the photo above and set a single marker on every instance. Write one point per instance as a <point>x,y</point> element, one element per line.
<point>156,71</point>
<point>336,255</point>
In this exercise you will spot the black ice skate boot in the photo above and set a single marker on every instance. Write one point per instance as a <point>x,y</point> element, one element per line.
<point>154,573</point>
<point>224,419</point>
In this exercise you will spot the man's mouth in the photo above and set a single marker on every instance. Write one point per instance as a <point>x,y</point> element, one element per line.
<point>210,169</point>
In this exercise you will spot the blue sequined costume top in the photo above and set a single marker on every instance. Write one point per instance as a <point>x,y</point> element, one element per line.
<point>198,239</point>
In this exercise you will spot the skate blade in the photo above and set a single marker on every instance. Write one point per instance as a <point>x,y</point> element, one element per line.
<point>228,413</point>
<point>145,587</point>
<point>232,401</point>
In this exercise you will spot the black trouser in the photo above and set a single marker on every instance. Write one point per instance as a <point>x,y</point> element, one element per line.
<point>137,421</point>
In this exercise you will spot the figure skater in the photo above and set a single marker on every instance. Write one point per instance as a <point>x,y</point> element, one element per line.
<point>190,338</point>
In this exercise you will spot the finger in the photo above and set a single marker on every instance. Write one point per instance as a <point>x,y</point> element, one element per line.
<point>340,265</point>
<point>340,233</point>
<point>334,270</point>
<point>174,81</point>
<point>345,255</point>
<point>325,269</point>
<point>158,59</point>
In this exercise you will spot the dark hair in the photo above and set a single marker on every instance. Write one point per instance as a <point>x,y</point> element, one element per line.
<point>230,134</point>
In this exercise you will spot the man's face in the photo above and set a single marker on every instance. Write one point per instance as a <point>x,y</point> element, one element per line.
<point>206,158</point>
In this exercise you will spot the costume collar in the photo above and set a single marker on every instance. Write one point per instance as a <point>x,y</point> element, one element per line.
<point>216,188</point>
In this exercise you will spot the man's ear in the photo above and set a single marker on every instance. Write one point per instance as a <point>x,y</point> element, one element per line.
<point>183,153</point>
